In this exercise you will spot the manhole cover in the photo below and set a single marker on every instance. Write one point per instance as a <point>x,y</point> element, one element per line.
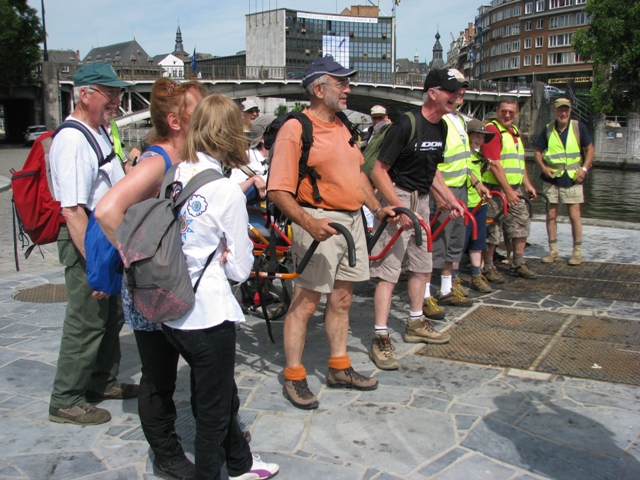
<point>47,293</point>
<point>589,347</point>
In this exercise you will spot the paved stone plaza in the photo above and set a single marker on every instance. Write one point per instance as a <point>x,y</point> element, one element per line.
<point>430,419</point>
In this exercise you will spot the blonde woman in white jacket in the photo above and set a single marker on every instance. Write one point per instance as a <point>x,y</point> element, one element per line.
<point>215,219</point>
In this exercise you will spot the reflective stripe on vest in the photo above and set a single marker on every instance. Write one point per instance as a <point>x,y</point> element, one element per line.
<point>457,155</point>
<point>511,158</point>
<point>563,157</point>
<point>117,144</point>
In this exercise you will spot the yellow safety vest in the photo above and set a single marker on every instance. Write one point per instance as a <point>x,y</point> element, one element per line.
<point>473,198</point>
<point>563,157</point>
<point>117,143</point>
<point>511,158</point>
<point>457,155</point>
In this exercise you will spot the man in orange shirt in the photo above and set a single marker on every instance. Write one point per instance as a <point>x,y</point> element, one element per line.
<point>343,189</point>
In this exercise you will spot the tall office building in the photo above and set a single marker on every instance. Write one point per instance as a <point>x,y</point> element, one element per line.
<point>290,39</point>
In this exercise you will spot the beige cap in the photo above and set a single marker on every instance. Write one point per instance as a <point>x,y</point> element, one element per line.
<point>378,110</point>
<point>562,102</point>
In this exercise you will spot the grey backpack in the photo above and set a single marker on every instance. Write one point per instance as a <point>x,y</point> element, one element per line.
<point>150,244</point>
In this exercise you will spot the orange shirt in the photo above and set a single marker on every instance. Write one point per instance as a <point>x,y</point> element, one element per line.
<point>331,156</point>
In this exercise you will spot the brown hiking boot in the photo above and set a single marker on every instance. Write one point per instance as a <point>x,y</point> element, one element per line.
<point>455,299</point>
<point>81,414</point>
<point>457,286</point>
<point>525,272</point>
<point>298,393</point>
<point>119,391</point>
<point>381,353</point>
<point>349,378</point>
<point>422,331</point>
<point>479,284</point>
<point>431,309</point>
<point>493,275</point>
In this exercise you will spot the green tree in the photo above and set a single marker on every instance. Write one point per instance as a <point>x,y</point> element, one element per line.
<point>281,110</point>
<point>612,42</point>
<point>299,106</point>
<point>20,34</point>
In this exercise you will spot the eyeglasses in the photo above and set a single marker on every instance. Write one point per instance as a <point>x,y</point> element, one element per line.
<point>508,113</point>
<point>111,96</point>
<point>457,93</point>
<point>342,84</point>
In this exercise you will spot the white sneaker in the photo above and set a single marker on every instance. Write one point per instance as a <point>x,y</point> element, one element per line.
<point>259,470</point>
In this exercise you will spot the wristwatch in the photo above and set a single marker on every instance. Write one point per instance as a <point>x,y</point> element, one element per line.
<point>585,169</point>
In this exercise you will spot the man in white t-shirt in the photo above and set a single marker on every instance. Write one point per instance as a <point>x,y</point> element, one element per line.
<point>89,357</point>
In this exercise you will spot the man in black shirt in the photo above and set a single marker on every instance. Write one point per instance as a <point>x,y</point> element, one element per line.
<point>404,173</point>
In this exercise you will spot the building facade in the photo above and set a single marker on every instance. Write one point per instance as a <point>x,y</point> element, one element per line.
<point>129,60</point>
<point>290,39</point>
<point>523,41</point>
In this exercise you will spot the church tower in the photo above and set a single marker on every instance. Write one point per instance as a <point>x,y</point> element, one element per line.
<point>179,50</point>
<point>437,61</point>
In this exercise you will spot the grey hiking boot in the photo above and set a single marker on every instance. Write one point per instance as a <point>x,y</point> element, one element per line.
<point>81,414</point>
<point>119,391</point>
<point>381,353</point>
<point>432,310</point>
<point>422,331</point>
<point>479,284</point>
<point>298,393</point>
<point>349,378</point>
<point>493,275</point>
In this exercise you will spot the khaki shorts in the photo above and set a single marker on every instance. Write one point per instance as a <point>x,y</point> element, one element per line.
<point>450,242</point>
<point>404,251</point>
<point>516,224</point>
<point>567,195</point>
<point>330,262</point>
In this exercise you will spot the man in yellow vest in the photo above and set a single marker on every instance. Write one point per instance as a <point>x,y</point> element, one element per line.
<point>448,246</point>
<point>507,173</point>
<point>558,153</point>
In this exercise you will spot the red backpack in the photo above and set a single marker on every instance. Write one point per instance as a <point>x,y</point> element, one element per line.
<point>37,214</point>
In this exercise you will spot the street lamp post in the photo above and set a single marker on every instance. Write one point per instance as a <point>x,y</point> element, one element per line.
<point>481,53</point>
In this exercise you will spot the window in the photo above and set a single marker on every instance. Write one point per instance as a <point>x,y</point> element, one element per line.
<point>527,43</point>
<point>581,18</point>
<point>65,69</point>
<point>559,3</point>
<point>539,42</point>
<point>540,24</point>
<point>563,58</point>
<point>526,60</point>
<point>527,26</point>
<point>539,5</point>
<point>515,46</point>
<point>528,8</point>
<point>515,29</point>
<point>561,40</point>
<point>538,59</point>
<point>580,2</point>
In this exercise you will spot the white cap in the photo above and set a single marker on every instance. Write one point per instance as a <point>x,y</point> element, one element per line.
<point>248,105</point>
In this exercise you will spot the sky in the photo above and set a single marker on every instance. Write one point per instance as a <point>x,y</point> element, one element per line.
<point>218,27</point>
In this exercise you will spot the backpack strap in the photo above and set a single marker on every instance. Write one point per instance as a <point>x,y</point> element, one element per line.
<point>90,138</point>
<point>163,153</point>
<point>355,132</point>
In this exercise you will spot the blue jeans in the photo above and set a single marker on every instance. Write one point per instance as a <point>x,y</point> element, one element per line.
<point>211,354</point>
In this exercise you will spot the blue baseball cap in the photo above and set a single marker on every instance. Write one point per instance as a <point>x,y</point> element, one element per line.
<point>98,74</point>
<point>325,66</point>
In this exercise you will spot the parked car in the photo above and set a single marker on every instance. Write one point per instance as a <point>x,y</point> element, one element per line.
<point>33,132</point>
<point>551,90</point>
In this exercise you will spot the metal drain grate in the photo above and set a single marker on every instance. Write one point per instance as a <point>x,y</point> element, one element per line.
<point>590,347</point>
<point>589,280</point>
<point>47,293</point>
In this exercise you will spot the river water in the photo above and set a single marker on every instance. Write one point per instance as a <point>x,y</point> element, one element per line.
<point>609,194</point>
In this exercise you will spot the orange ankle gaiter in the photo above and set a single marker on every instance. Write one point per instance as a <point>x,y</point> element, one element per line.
<point>340,363</point>
<point>295,373</point>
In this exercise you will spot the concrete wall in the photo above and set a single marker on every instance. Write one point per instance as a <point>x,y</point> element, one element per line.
<point>617,143</point>
<point>265,33</point>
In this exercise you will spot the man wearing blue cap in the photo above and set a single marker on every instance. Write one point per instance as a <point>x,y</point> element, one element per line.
<point>334,191</point>
<point>89,358</point>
